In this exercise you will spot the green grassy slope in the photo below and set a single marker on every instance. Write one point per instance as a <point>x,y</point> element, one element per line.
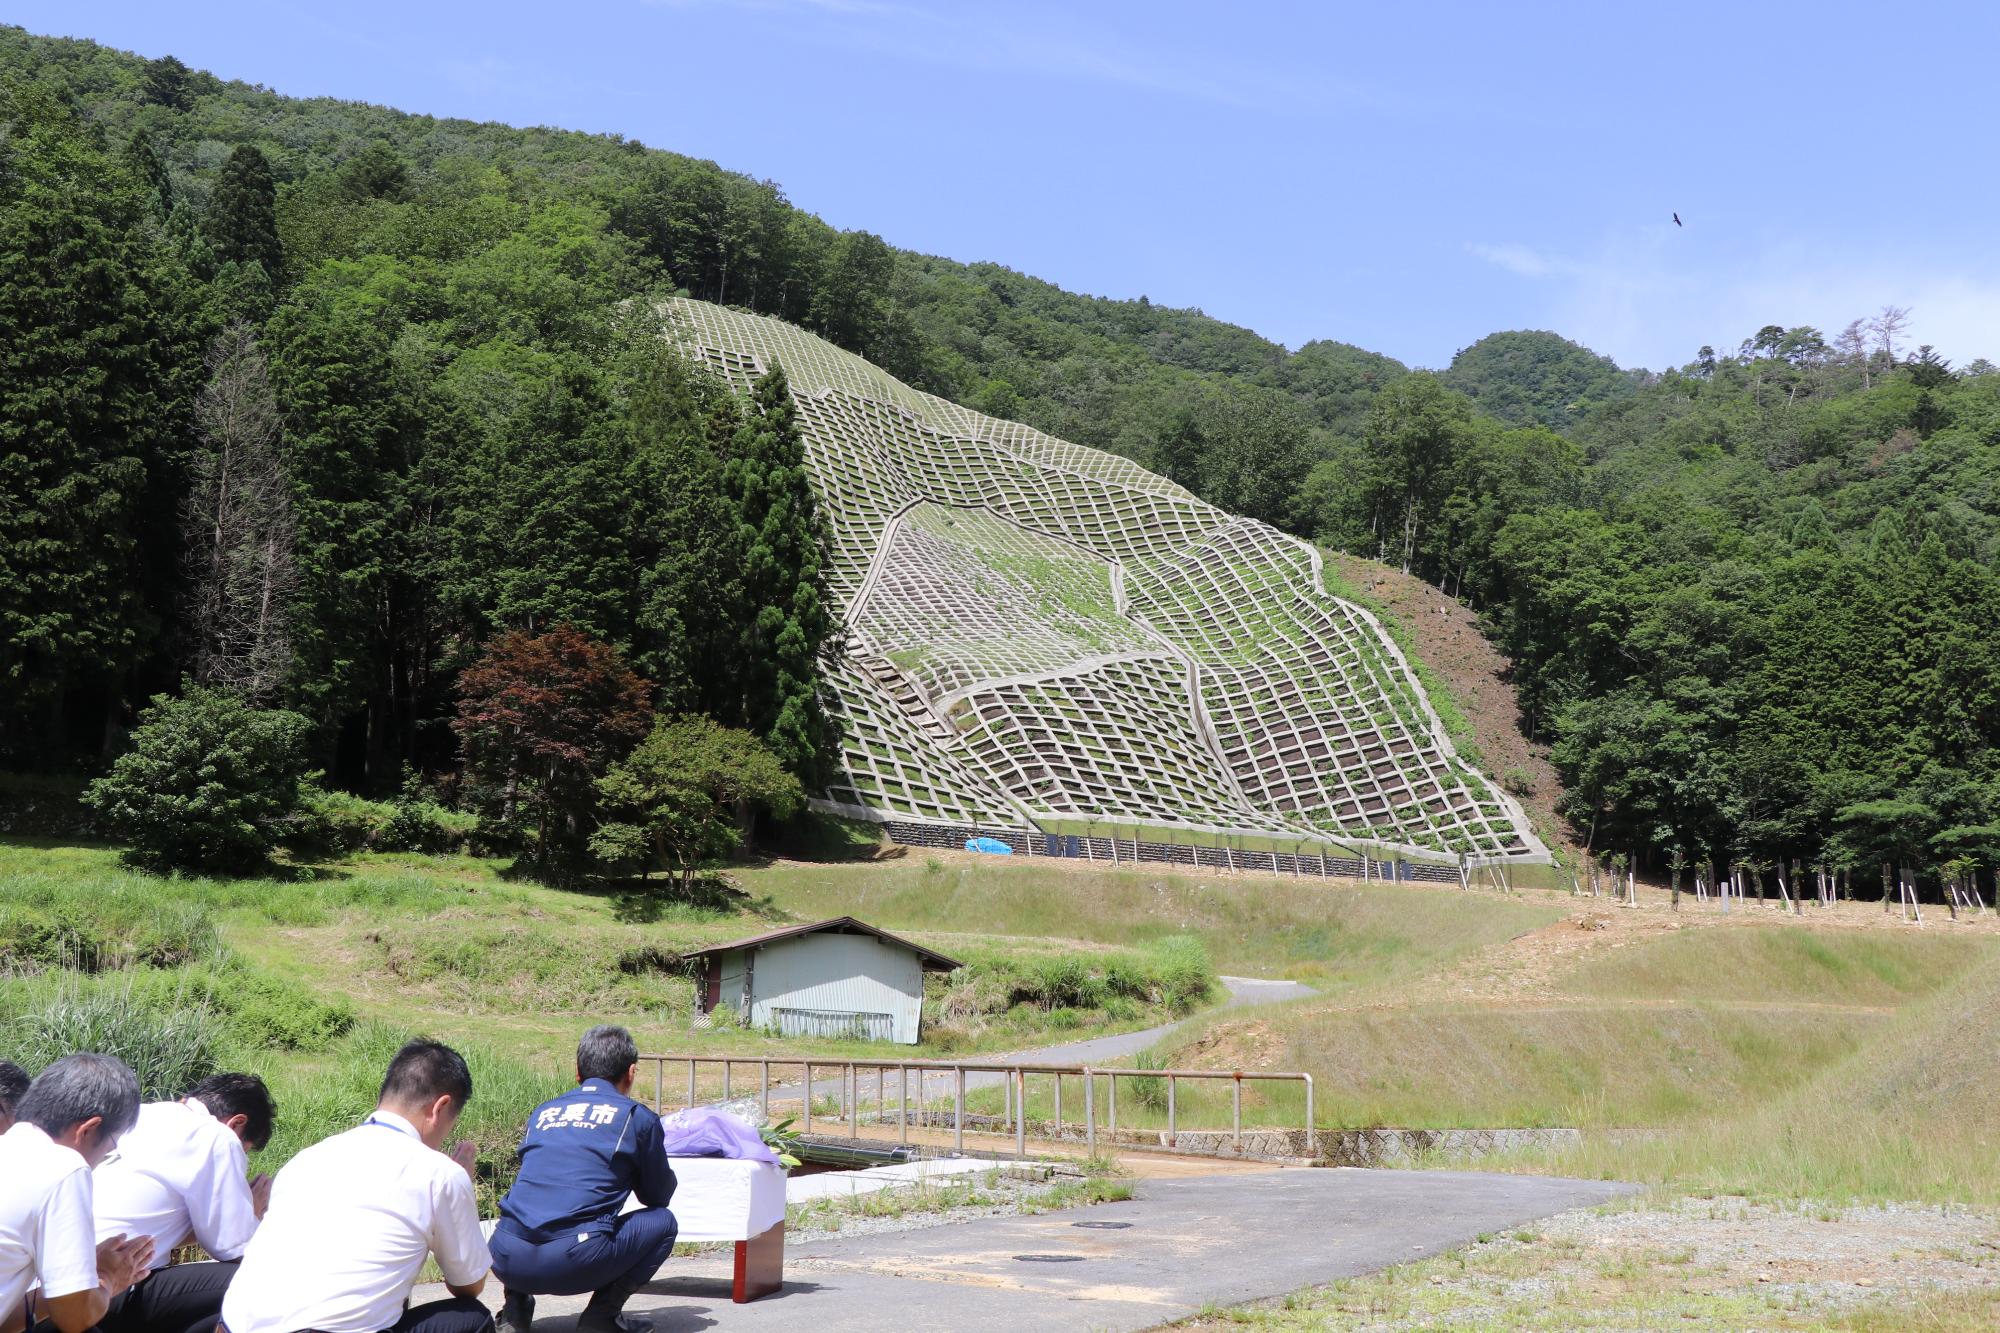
<point>1338,938</point>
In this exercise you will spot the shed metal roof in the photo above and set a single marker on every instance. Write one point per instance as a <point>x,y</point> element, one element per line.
<point>933,961</point>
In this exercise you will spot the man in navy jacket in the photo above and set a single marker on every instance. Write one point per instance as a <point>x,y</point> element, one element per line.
<point>560,1231</point>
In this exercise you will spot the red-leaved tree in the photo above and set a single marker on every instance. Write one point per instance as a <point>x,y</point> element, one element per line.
<point>540,718</point>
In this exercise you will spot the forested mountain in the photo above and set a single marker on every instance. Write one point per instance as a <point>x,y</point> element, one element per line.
<point>377,370</point>
<point>1537,378</point>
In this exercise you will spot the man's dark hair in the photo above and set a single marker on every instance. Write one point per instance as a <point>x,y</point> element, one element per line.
<point>425,1070</point>
<point>227,1095</point>
<point>605,1052</point>
<point>13,1082</point>
<point>77,1087</point>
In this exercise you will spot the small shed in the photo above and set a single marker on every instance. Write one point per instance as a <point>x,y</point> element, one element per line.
<point>838,978</point>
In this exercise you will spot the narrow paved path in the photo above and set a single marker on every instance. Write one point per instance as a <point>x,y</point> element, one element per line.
<point>1178,1246</point>
<point>1115,1049</point>
<point>1124,1046</point>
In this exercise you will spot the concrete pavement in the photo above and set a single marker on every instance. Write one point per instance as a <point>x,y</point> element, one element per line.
<point>1180,1245</point>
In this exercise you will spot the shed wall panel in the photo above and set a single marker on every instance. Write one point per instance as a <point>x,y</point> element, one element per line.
<point>731,997</point>
<point>839,974</point>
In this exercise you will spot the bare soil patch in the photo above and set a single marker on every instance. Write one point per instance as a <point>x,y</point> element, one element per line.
<point>1444,635</point>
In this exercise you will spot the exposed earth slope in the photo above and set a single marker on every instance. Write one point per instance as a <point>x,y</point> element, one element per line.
<point>1045,636</point>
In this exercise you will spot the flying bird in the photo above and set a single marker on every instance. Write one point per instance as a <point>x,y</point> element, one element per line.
<point>1677,220</point>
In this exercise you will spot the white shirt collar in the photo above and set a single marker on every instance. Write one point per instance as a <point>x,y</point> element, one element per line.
<point>384,1116</point>
<point>41,1138</point>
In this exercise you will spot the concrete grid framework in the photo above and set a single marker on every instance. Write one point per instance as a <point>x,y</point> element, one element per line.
<point>1045,636</point>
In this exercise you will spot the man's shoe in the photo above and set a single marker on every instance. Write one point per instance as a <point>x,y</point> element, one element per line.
<point>618,1323</point>
<point>517,1313</point>
<point>602,1315</point>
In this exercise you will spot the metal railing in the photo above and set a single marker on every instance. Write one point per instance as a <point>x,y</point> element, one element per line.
<point>846,1092</point>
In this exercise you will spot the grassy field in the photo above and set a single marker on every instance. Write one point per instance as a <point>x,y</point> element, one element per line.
<point>1780,965</point>
<point>1797,1060</point>
<point>1337,936</point>
<point>1909,1114</point>
<point>313,980</point>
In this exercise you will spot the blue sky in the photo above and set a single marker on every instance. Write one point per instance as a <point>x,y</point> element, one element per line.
<point>1404,177</point>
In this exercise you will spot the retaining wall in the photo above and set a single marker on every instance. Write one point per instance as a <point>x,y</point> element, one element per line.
<point>1033,842</point>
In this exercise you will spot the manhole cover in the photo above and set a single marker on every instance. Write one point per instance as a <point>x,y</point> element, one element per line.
<point>1102,1226</point>
<point>1048,1258</point>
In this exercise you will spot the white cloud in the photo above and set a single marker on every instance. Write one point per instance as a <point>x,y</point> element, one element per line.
<point>1067,45</point>
<point>1514,258</point>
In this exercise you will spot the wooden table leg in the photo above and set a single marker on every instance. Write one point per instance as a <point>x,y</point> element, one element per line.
<point>760,1265</point>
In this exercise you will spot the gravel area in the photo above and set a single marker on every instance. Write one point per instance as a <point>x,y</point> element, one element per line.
<point>1719,1263</point>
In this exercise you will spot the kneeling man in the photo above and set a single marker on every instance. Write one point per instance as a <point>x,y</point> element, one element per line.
<point>352,1219</point>
<point>561,1232</point>
<point>179,1175</point>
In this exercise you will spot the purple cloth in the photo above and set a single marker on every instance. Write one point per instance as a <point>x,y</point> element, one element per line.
<point>704,1131</point>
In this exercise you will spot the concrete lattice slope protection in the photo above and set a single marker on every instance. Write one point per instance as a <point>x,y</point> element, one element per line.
<point>1044,635</point>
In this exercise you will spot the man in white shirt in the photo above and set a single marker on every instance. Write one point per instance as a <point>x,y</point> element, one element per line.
<point>68,1121</point>
<point>13,1082</point>
<point>352,1218</point>
<point>179,1175</point>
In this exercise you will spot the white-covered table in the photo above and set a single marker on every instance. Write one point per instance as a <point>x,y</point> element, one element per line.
<point>729,1199</point>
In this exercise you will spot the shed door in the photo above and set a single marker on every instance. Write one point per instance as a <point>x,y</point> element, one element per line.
<point>711,984</point>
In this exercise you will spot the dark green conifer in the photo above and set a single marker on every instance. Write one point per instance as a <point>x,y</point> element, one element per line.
<point>786,617</point>
<point>243,213</point>
<point>97,373</point>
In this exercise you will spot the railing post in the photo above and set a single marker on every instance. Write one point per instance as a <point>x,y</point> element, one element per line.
<point>725,1078</point>
<point>958,1111</point>
<point>690,1080</point>
<point>660,1084</point>
<point>1236,1113</point>
<point>1089,1111</point>
<point>1312,1125</point>
<point>1020,1112</point>
<point>1111,1091</point>
<point>1058,1106</point>
<point>1171,1135</point>
<point>764,1087</point>
<point>903,1104</point>
<point>809,1098</point>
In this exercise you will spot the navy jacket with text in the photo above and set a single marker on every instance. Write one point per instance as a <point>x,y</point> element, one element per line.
<point>582,1154</point>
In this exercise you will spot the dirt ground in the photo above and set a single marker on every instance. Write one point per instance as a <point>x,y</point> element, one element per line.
<point>1445,637</point>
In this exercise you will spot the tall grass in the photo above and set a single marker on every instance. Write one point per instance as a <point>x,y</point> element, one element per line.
<point>170,1047</point>
<point>1447,1066</point>
<point>56,924</point>
<point>1909,1115</point>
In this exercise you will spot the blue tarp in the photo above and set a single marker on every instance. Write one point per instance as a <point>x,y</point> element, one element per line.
<point>993,845</point>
